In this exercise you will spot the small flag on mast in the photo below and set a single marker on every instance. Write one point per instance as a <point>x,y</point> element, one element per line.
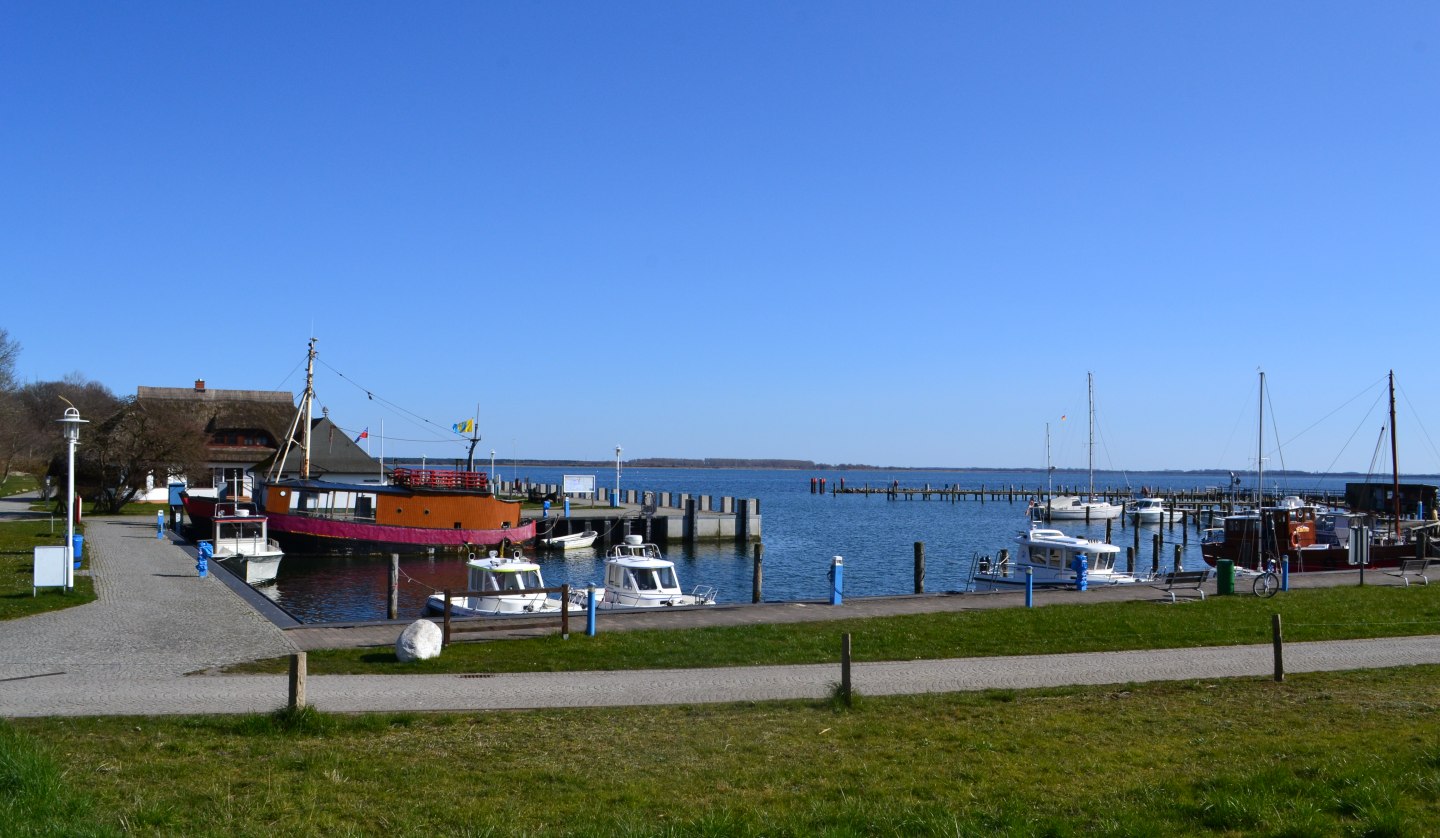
<point>363,435</point>
<point>464,426</point>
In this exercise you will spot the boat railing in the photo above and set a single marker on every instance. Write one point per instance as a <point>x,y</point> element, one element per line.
<point>704,593</point>
<point>415,478</point>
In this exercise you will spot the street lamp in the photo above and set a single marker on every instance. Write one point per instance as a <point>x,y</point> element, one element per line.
<point>492,470</point>
<point>617,475</point>
<point>70,428</point>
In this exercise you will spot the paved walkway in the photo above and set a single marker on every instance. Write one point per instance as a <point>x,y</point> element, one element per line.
<point>129,653</point>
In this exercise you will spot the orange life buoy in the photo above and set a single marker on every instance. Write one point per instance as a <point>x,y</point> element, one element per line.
<point>1295,536</point>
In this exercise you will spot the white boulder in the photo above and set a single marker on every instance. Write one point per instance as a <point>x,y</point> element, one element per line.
<point>420,641</point>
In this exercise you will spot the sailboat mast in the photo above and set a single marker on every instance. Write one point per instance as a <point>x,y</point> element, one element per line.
<point>308,399</point>
<point>1260,450</point>
<point>1090,385</point>
<point>1394,457</point>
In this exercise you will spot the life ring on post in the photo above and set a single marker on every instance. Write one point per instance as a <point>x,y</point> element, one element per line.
<point>1295,536</point>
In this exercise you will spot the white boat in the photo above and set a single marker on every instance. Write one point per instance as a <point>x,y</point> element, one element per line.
<point>1152,511</point>
<point>1070,507</point>
<point>242,540</point>
<point>574,541</point>
<point>637,576</point>
<point>1051,557</point>
<point>500,579</point>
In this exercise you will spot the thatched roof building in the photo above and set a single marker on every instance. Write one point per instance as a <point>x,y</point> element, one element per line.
<point>244,427</point>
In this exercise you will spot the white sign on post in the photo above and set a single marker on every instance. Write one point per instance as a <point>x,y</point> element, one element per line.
<point>52,568</point>
<point>579,484</point>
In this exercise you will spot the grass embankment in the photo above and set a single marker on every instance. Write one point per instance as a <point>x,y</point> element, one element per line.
<point>17,483</point>
<point>1311,614</point>
<point>18,540</point>
<point>1321,754</point>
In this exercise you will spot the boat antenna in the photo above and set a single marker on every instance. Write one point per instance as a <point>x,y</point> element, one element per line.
<point>1394,457</point>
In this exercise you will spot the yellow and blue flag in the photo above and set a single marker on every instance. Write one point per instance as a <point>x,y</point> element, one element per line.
<point>464,426</point>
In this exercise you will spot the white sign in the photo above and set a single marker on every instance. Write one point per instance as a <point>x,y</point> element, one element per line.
<point>579,484</point>
<point>52,567</point>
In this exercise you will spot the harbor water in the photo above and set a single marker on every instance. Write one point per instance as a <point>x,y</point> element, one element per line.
<point>802,532</point>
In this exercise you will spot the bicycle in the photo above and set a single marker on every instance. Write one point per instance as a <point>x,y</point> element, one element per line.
<point>1268,582</point>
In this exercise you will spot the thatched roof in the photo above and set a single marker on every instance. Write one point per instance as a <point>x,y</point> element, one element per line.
<point>224,411</point>
<point>332,451</point>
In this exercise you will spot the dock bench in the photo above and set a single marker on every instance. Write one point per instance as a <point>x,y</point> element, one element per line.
<point>1409,568</point>
<point>1182,580</point>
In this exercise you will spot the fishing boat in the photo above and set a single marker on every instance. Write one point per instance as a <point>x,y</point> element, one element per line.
<point>242,542</point>
<point>1074,508</point>
<point>501,580</point>
<point>1316,539</point>
<point>1151,511</point>
<point>416,510</point>
<point>574,541</point>
<point>1050,558</point>
<point>638,576</point>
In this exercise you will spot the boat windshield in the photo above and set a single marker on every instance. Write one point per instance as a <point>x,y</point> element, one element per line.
<point>657,579</point>
<point>520,580</point>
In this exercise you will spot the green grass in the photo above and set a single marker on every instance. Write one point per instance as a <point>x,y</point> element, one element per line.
<point>18,540</point>
<point>1308,614</point>
<point>1325,754</point>
<point>17,483</point>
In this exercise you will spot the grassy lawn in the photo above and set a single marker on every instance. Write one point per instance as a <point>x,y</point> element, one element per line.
<point>1309,614</point>
<point>1323,754</point>
<point>17,483</point>
<point>18,540</point>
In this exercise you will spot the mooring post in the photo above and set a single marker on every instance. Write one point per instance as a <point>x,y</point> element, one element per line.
<point>1029,587</point>
<point>757,578</point>
<point>1279,647</point>
<point>1178,553</point>
<point>845,668</point>
<point>1155,555</point>
<point>393,609</point>
<point>1108,522</point>
<point>919,567</point>
<point>1130,560</point>
<point>565,611</point>
<point>590,610</point>
<point>297,680</point>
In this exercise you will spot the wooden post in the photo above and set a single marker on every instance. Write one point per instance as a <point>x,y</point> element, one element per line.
<point>1136,531</point>
<point>1108,522</point>
<point>1178,552</point>
<point>445,634</point>
<point>1184,526</point>
<point>1279,647</point>
<point>297,681</point>
<point>565,612</point>
<point>758,577</point>
<point>845,668</point>
<point>393,609</point>
<point>1155,556</point>
<point>1130,560</point>
<point>919,567</point>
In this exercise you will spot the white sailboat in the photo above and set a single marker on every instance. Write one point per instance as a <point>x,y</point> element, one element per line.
<point>1075,508</point>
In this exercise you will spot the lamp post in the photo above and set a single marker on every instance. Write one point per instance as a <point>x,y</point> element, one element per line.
<point>70,427</point>
<point>617,475</point>
<point>492,469</point>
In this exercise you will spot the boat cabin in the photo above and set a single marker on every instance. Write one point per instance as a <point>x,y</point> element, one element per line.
<point>440,504</point>
<point>1053,549</point>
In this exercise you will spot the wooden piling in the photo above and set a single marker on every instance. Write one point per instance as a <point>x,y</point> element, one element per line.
<point>757,577</point>
<point>1179,552</point>
<point>845,668</point>
<point>392,610</point>
<point>919,567</point>
<point>1276,641</point>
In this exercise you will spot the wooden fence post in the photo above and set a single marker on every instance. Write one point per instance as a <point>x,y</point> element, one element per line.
<point>757,578</point>
<point>1279,651</point>
<point>919,567</point>
<point>297,680</point>
<point>845,668</point>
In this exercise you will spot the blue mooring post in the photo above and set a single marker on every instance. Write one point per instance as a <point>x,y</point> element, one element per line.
<point>1081,566</point>
<point>1285,573</point>
<point>159,524</point>
<point>1029,587</point>
<point>202,558</point>
<point>590,611</point>
<point>837,580</point>
<point>567,507</point>
<point>545,510</point>
<point>614,498</point>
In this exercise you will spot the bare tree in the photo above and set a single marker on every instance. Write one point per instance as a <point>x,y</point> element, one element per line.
<point>9,353</point>
<point>139,441</point>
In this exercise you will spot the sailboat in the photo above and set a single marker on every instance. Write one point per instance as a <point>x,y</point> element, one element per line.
<point>1074,508</point>
<point>1312,538</point>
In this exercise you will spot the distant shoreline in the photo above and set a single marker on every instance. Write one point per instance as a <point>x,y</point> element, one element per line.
<point>806,465</point>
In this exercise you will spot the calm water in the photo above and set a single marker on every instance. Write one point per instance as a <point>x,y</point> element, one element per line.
<point>801,533</point>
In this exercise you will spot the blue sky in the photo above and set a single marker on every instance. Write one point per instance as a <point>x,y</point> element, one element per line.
<point>884,233</point>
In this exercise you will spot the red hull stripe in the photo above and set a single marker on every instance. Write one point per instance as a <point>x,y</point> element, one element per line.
<point>419,536</point>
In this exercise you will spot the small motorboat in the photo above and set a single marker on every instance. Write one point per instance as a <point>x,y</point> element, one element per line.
<point>242,541</point>
<point>1152,511</point>
<point>1053,559</point>
<point>574,541</point>
<point>638,576</point>
<point>503,583</point>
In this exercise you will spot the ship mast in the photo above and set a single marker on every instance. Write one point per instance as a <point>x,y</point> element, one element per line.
<point>1394,458</point>
<point>1260,450</point>
<point>1090,385</point>
<point>306,401</point>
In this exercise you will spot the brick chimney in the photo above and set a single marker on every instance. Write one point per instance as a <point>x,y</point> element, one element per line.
<point>199,385</point>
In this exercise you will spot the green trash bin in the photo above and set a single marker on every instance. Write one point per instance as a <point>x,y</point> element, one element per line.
<point>1224,576</point>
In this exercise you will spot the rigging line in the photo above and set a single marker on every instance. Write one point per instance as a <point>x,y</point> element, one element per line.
<point>1275,433</point>
<point>369,393</point>
<point>1353,434</point>
<point>290,374</point>
<point>1375,457</point>
<point>1377,383</point>
<point>389,438</point>
<point>1419,424</point>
